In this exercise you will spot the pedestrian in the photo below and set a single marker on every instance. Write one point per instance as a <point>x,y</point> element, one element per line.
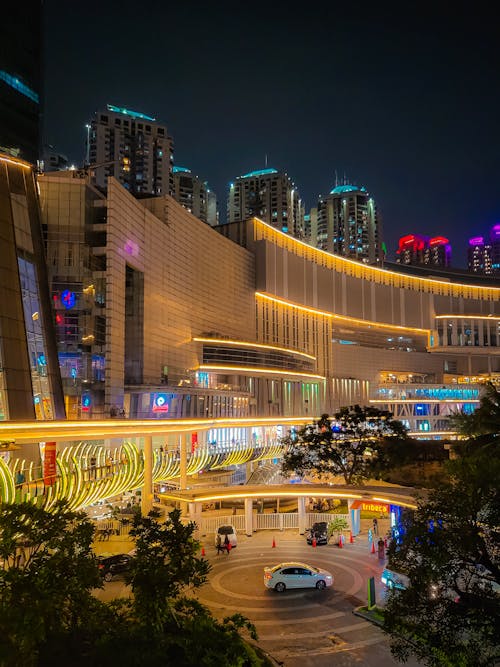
<point>227,544</point>
<point>218,544</point>
<point>370,536</point>
<point>375,526</point>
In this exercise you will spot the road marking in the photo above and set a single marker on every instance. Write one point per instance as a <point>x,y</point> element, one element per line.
<point>319,633</point>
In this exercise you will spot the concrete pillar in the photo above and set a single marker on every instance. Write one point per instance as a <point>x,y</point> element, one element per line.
<point>195,510</point>
<point>183,469</point>
<point>248,517</point>
<point>248,470</point>
<point>183,461</point>
<point>301,502</point>
<point>354,518</point>
<point>147,489</point>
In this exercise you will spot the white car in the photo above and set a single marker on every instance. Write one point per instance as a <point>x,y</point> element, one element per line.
<point>296,575</point>
<point>228,530</point>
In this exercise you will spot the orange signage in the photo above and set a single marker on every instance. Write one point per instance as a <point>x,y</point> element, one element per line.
<point>368,506</point>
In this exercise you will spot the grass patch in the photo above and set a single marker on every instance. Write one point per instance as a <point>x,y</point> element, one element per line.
<point>375,615</point>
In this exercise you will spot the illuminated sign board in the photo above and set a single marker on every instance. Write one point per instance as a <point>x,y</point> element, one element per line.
<point>160,403</point>
<point>370,506</point>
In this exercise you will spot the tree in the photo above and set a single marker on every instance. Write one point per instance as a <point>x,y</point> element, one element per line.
<point>47,575</point>
<point>485,420</point>
<point>346,445</point>
<point>450,550</point>
<point>161,623</point>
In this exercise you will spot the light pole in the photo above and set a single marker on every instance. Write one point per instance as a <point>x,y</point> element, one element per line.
<point>87,152</point>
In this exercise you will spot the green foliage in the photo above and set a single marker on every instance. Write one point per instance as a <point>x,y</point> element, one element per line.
<point>350,450</point>
<point>48,573</point>
<point>485,421</point>
<point>337,525</point>
<point>450,551</point>
<point>49,616</point>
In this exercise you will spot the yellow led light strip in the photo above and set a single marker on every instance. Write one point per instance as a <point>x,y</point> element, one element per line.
<point>264,231</point>
<point>15,161</point>
<point>341,318</point>
<point>257,369</point>
<point>263,346</point>
<point>491,318</point>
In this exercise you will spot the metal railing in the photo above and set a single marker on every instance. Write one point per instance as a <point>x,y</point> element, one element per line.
<point>278,521</point>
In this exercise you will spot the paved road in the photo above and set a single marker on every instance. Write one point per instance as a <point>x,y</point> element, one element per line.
<point>303,628</point>
<point>307,627</point>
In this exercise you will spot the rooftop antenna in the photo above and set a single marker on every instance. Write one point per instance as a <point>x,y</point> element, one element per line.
<point>265,161</point>
<point>336,178</point>
<point>345,179</point>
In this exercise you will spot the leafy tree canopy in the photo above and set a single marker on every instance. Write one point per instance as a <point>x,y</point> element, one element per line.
<point>485,420</point>
<point>450,550</point>
<point>348,444</point>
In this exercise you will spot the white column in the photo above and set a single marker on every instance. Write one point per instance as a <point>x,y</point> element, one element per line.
<point>195,510</point>
<point>354,518</point>
<point>183,468</point>
<point>183,461</point>
<point>301,502</point>
<point>248,517</point>
<point>147,489</point>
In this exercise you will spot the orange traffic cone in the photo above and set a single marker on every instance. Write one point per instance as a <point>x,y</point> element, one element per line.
<point>274,543</point>
<point>340,542</point>
<point>202,551</point>
<point>314,541</point>
<point>351,538</point>
<point>373,548</point>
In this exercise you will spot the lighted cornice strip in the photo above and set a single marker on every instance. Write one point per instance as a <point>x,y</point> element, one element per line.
<point>257,370</point>
<point>341,318</point>
<point>374,273</point>
<point>491,318</point>
<point>239,343</point>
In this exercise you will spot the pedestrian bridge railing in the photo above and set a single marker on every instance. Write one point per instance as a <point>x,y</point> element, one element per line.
<point>278,521</point>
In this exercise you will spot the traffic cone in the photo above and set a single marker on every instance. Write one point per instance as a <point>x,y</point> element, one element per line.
<point>340,542</point>
<point>351,538</point>
<point>314,541</point>
<point>373,548</point>
<point>274,543</point>
<point>202,551</point>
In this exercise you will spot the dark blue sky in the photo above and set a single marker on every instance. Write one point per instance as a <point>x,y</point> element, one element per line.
<point>404,104</point>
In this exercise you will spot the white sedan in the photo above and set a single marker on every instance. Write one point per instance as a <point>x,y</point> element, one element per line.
<point>296,575</point>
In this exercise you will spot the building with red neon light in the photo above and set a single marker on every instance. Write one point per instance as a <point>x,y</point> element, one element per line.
<point>415,249</point>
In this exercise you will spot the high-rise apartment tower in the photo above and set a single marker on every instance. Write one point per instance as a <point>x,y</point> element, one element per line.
<point>195,195</point>
<point>346,222</point>
<point>270,195</point>
<point>133,148</point>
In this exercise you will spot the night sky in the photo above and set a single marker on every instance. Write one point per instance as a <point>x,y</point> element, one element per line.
<point>405,104</point>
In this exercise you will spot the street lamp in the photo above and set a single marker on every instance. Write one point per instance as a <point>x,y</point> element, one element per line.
<point>87,152</point>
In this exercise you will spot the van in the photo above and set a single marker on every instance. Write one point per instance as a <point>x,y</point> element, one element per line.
<point>228,530</point>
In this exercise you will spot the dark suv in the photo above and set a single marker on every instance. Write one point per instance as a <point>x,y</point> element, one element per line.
<point>319,530</point>
<point>111,566</point>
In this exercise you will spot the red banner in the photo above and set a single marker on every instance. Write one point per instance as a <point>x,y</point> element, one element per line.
<point>49,463</point>
<point>194,441</point>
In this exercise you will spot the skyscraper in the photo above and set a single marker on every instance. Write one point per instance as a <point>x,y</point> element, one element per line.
<point>483,256</point>
<point>133,148</point>
<point>269,195</point>
<point>195,195</point>
<point>416,249</point>
<point>20,80</point>
<point>347,223</point>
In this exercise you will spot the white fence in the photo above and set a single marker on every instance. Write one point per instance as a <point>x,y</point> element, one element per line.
<point>279,521</point>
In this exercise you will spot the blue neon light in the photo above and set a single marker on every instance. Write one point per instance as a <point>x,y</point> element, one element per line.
<point>181,170</point>
<point>68,299</point>
<point>128,112</point>
<point>18,85</point>
<point>341,189</point>
<point>260,172</point>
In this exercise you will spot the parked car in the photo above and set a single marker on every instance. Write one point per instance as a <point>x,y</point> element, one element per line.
<point>228,530</point>
<point>296,575</point>
<point>111,566</point>
<point>319,531</point>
